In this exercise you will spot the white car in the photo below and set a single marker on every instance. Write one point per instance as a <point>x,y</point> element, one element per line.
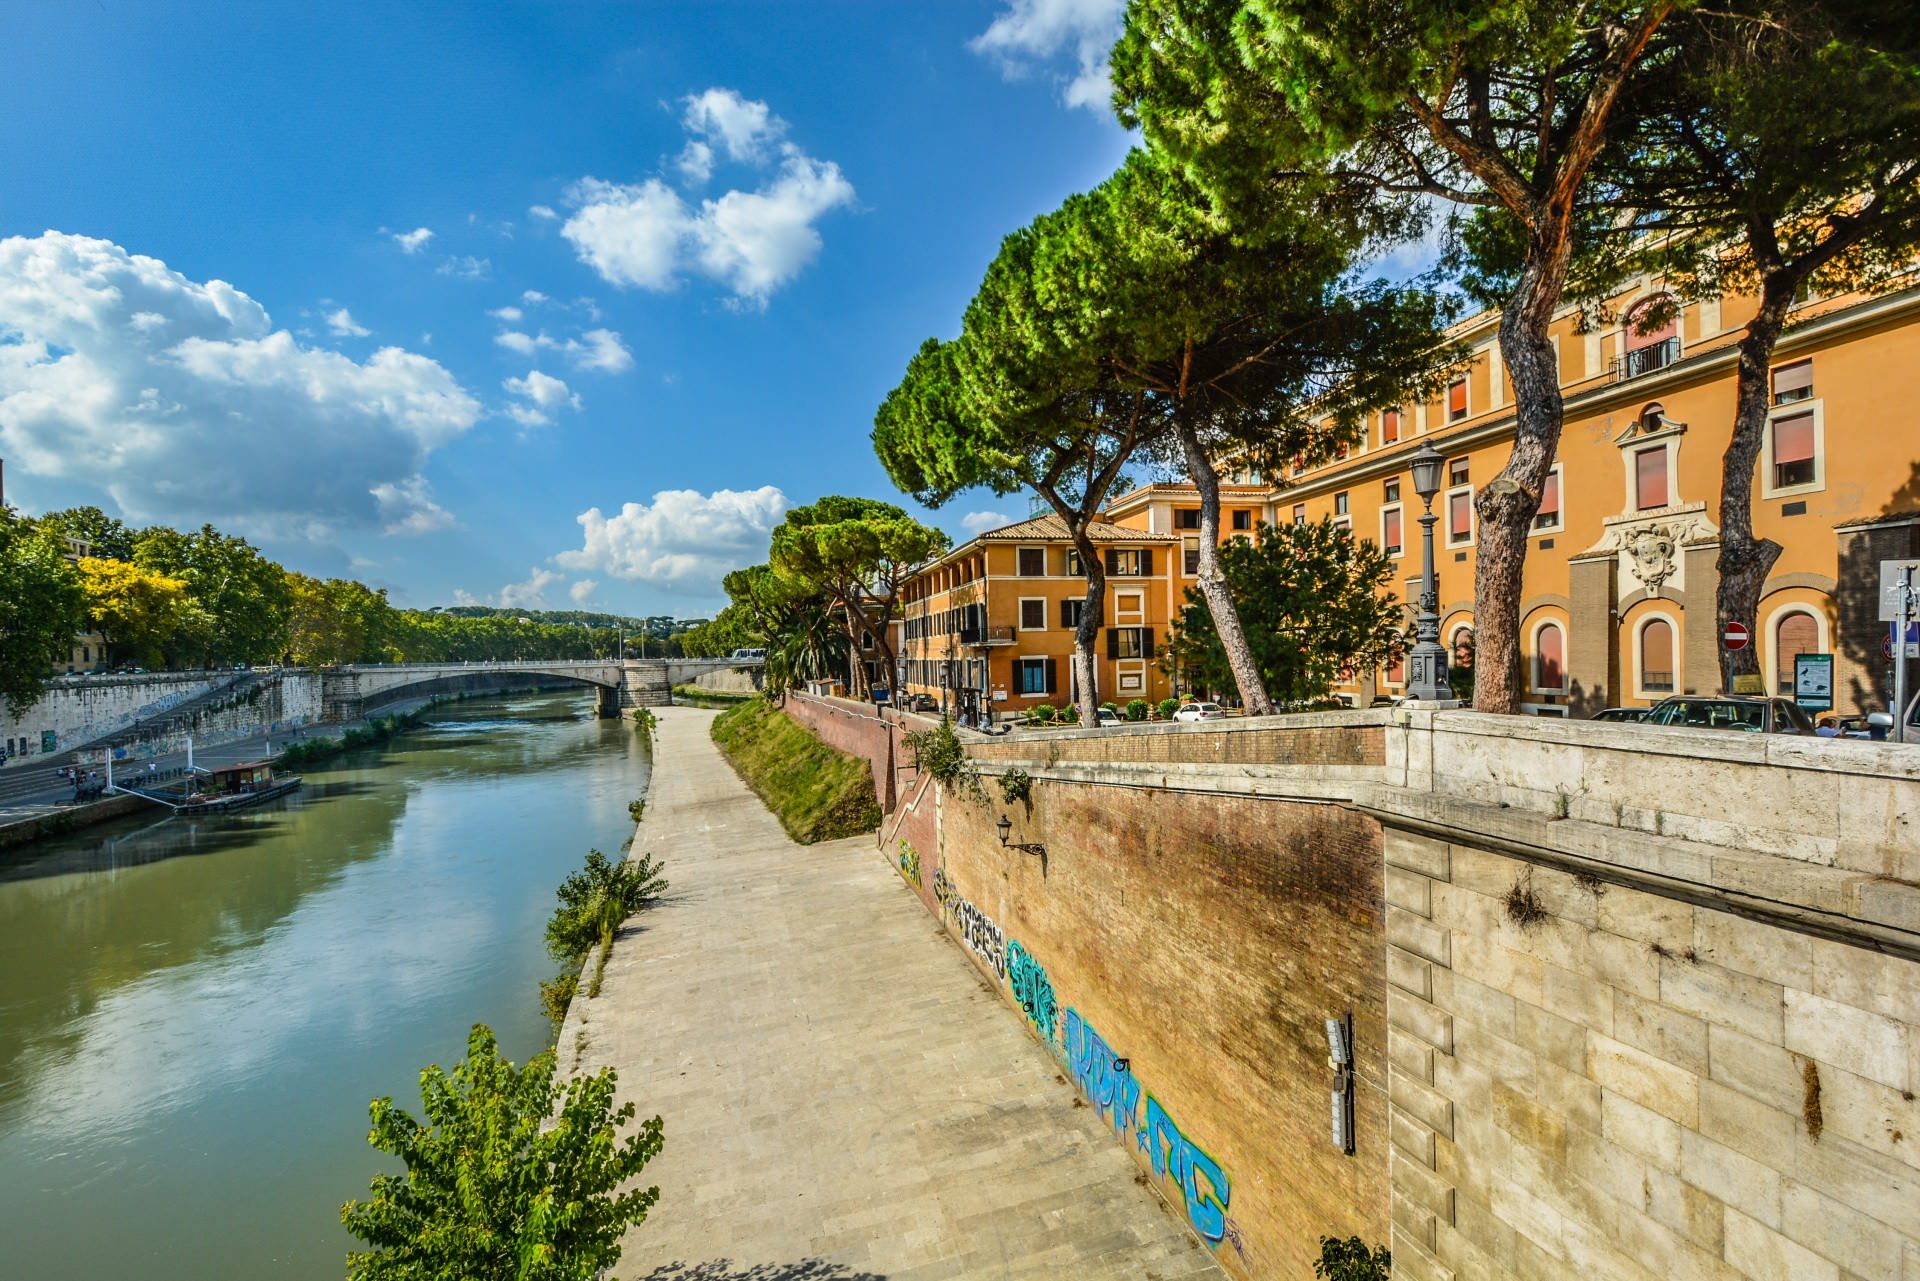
<point>1200,712</point>
<point>1107,717</point>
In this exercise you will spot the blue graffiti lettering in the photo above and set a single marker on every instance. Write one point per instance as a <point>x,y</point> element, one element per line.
<point>1032,989</point>
<point>1109,1086</point>
<point>1200,1177</point>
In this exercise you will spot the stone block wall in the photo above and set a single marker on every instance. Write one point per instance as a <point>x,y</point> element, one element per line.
<point>75,712</point>
<point>1592,1080</point>
<point>1179,955</point>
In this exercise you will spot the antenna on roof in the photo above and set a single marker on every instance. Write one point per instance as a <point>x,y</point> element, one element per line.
<point>1037,506</point>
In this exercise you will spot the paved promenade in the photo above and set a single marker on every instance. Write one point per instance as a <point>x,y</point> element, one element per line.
<point>844,1098</point>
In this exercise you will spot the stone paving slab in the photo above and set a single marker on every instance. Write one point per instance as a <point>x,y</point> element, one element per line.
<point>845,1098</point>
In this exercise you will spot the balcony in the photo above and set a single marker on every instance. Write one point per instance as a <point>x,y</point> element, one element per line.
<point>1646,359</point>
<point>986,636</point>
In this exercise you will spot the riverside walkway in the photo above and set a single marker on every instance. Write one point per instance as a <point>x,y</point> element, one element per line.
<point>844,1099</point>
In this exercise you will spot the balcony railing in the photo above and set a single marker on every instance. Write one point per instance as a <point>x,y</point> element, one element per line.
<point>1646,359</point>
<point>986,636</point>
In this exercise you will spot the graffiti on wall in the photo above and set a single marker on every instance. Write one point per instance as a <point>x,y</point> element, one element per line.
<point>1110,1085</point>
<point>910,864</point>
<point>1032,989</point>
<point>977,929</point>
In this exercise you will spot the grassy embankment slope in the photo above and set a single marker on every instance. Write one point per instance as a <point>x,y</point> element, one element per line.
<point>695,696</point>
<point>817,792</point>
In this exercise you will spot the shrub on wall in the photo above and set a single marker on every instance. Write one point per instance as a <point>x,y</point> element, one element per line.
<point>1352,1260</point>
<point>1041,715</point>
<point>1168,706</point>
<point>1137,710</point>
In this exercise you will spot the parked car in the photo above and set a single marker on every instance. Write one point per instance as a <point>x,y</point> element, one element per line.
<point>1107,717</point>
<point>1200,712</point>
<point>1753,715</point>
<point>1621,714</point>
<point>1834,725</point>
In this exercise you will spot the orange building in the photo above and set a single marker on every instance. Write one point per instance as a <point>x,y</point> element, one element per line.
<point>1618,596</point>
<point>992,622</point>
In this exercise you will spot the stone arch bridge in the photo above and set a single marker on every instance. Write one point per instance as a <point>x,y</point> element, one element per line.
<point>351,691</point>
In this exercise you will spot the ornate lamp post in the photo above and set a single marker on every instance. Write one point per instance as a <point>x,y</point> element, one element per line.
<point>1427,664</point>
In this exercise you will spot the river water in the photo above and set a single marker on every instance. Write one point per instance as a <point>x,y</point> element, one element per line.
<point>195,1013</point>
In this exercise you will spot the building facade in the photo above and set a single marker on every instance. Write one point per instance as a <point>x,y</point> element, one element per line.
<point>1618,597</point>
<point>991,624</point>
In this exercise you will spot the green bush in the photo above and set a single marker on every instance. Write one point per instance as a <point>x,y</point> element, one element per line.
<point>1352,1260</point>
<point>596,899</point>
<point>637,809</point>
<point>817,793</point>
<point>1168,706</point>
<point>556,994</point>
<point>1070,714</point>
<point>1137,709</point>
<point>1041,715</point>
<point>1110,707</point>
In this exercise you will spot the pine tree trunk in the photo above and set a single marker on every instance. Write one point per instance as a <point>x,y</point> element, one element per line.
<point>1092,618</point>
<point>1213,582</point>
<point>1745,561</point>
<point>1506,506</point>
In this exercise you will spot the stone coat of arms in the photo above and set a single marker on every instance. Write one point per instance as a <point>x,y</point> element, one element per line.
<point>1651,550</point>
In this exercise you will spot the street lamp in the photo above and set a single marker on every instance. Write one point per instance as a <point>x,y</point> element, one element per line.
<point>1427,664</point>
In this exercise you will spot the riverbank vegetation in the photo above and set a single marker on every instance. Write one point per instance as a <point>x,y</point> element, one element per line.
<point>694,696</point>
<point>817,793</point>
<point>511,1175</point>
<point>594,902</point>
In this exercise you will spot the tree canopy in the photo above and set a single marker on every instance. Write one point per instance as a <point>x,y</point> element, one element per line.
<point>41,607</point>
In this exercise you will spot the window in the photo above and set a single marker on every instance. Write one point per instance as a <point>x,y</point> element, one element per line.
<point>1793,451</point>
<point>1033,614</point>
<point>1187,518</point>
<point>1549,658</point>
<point>1073,563</point>
<point>1131,562</point>
<point>866,640</point>
<point>1650,478</point>
<point>1389,426</point>
<point>1793,382</point>
<point>1548,517</point>
<point>1456,400</point>
<point>1190,561</point>
<point>1033,675</point>
<point>1390,532</point>
<point>1070,611</point>
<point>1795,633</point>
<point>1395,672</point>
<point>1242,518</point>
<point>1299,513</point>
<point>1390,492</point>
<point>1459,517</point>
<point>1650,346</point>
<point>1457,471</point>
<point>1656,657</point>
<point>1340,503</point>
<point>1129,642</point>
<point>1652,419</point>
<point>1033,562</point>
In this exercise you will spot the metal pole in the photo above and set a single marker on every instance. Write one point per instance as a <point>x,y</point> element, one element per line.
<point>1900,626</point>
<point>189,754</point>
<point>1427,664</point>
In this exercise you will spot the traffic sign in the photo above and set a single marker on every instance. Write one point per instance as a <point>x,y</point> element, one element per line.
<point>1912,645</point>
<point>1736,636</point>
<point>1894,575</point>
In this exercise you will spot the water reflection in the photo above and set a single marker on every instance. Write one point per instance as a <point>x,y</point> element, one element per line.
<point>193,1014</point>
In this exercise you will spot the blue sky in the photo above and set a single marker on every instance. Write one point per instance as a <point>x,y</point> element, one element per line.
<point>519,303</point>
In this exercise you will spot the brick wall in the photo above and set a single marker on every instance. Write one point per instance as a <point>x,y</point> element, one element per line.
<point>856,730</point>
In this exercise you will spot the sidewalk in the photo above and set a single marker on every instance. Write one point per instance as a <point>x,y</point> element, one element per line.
<point>845,1100</point>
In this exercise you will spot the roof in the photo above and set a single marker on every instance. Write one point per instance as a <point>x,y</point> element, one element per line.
<point>1051,527</point>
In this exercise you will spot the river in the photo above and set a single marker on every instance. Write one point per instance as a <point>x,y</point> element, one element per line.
<point>195,1013</point>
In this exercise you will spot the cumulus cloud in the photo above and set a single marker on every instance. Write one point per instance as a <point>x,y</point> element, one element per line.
<point>981,522</point>
<point>582,591</point>
<point>344,325</point>
<point>466,267</point>
<point>531,594</point>
<point>116,370</point>
<point>544,213</point>
<point>598,349</point>
<point>512,315</point>
<point>648,235</point>
<point>412,242</point>
<point>1034,35</point>
<point>542,394</point>
<point>683,541</point>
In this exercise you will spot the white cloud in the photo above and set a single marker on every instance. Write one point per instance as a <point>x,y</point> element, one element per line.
<point>408,507</point>
<point>117,371</point>
<point>412,242</point>
<point>531,594</point>
<point>543,212</point>
<point>344,325</point>
<point>466,267</point>
<point>684,541</point>
<point>533,297</point>
<point>753,242</point>
<point>981,522</point>
<point>598,349</point>
<point>582,591</point>
<point>512,315</point>
<point>543,394</point>
<point>1033,34</point>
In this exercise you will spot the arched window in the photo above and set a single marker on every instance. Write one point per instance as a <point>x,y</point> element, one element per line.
<point>1656,656</point>
<point>1794,633</point>
<point>1653,418</point>
<point>1651,344</point>
<point>1550,658</point>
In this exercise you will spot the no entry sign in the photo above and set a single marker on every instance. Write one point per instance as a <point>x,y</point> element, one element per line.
<point>1736,636</point>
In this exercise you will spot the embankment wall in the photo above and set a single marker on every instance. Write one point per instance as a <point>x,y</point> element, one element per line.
<point>78,711</point>
<point>1627,1003</point>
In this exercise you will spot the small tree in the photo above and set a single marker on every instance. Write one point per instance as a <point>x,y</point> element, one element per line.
<point>509,1179</point>
<point>1352,1260</point>
<point>595,900</point>
<point>1313,600</point>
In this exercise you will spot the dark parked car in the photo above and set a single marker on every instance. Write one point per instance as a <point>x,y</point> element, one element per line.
<point>1622,714</point>
<point>1753,715</point>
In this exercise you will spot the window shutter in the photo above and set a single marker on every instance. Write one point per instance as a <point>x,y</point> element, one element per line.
<point>1113,642</point>
<point>1052,680</point>
<point>1793,439</point>
<point>1113,561</point>
<point>1146,642</point>
<point>1146,562</point>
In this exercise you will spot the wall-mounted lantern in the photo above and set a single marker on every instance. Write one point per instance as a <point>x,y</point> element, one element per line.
<point>1005,828</point>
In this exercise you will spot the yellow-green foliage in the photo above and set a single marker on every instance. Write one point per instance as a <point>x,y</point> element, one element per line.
<point>817,792</point>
